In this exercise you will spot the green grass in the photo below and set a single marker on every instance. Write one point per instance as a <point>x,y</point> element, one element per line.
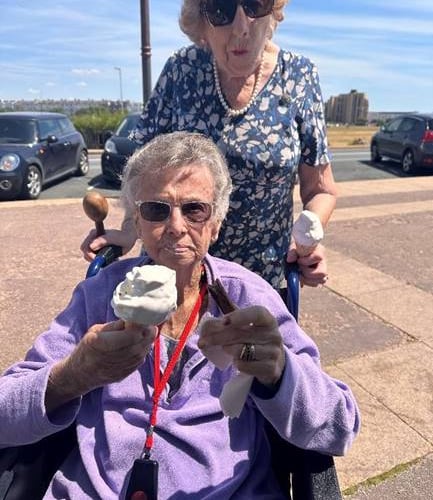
<point>374,481</point>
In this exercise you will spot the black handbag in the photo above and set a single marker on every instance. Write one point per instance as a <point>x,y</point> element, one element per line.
<point>26,471</point>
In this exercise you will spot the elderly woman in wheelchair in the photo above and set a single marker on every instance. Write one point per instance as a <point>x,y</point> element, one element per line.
<point>147,412</point>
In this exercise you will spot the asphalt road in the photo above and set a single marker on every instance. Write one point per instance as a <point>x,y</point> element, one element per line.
<point>348,165</point>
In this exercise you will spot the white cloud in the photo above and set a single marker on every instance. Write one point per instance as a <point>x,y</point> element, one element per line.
<point>340,23</point>
<point>86,72</point>
<point>382,47</point>
<point>414,6</point>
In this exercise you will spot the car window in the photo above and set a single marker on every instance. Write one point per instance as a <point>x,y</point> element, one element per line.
<point>49,127</point>
<point>14,131</point>
<point>127,124</point>
<point>66,125</point>
<point>407,125</point>
<point>393,125</point>
<point>430,124</point>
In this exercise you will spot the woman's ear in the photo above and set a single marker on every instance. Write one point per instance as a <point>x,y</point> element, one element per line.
<point>215,232</point>
<point>203,43</point>
<point>137,225</point>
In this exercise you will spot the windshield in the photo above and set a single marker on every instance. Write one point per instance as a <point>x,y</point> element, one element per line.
<point>128,123</point>
<point>16,131</point>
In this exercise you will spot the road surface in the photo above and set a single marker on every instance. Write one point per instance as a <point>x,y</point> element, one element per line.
<point>348,165</point>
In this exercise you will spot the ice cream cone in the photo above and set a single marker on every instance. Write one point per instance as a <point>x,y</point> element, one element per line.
<point>304,250</point>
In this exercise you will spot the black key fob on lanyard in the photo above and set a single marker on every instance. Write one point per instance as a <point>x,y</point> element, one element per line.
<point>143,483</point>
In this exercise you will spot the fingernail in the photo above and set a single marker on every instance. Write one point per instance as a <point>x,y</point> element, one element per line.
<point>227,321</point>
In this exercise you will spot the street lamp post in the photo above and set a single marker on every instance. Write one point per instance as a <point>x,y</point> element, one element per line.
<point>145,50</point>
<point>121,86</point>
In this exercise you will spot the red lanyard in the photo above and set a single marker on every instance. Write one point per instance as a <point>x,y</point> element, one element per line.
<point>160,383</point>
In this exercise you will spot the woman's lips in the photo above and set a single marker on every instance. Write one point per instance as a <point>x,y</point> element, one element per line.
<point>239,52</point>
<point>177,249</point>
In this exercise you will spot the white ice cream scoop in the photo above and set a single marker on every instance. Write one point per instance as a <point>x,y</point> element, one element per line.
<point>307,232</point>
<point>147,296</point>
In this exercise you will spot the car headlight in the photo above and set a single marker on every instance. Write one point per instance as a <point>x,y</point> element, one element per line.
<point>110,147</point>
<point>9,162</point>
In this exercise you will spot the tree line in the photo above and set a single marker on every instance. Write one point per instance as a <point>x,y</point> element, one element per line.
<point>95,123</point>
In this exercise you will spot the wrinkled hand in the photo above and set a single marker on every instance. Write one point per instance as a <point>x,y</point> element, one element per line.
<point>254,325</point>
<point>313,268</point>
<point>107,353</point>
<point>92,244</point>
<point>110,352</point>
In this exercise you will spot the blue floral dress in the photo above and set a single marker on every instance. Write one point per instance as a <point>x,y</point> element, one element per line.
<point>282,129</point>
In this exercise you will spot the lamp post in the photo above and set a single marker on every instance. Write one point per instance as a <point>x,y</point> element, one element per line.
<point>145,50</point>
<point>121,87</point>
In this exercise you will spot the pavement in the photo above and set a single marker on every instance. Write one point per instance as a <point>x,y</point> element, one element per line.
<point>372,321</point>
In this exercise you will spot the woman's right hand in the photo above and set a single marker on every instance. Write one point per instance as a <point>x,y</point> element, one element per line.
<point>92,244</point>
<point>313,268</point>
<point>107,353</point>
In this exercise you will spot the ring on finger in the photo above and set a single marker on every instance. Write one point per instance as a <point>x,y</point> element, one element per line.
<point>248,352</point>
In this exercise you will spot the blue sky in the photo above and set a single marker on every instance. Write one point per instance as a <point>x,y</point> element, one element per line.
<point>69,48</point>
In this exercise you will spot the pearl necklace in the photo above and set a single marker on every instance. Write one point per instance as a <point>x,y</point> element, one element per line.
<point>237,112</point>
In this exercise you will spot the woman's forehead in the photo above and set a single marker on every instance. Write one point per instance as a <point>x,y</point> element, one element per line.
<point>194,178</point>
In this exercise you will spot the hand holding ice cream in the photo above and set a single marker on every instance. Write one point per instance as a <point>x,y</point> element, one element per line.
<point>109,352</point>
<point>307,232</point>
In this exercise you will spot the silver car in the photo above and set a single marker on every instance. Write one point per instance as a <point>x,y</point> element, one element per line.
<point>407,139</point>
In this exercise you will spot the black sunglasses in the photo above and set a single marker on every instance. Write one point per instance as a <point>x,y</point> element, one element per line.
<point>222,12</point>
<point>159,211</point>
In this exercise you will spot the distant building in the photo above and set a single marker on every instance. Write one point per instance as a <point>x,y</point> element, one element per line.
<point>67,106</point>
<point>347,109</point>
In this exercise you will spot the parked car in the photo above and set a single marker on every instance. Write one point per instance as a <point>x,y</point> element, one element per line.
<point>36,148</point>
<point>406,138</point>
<point>117,149</point>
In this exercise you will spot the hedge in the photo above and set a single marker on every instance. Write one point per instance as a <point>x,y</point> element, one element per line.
<point>95,123</point>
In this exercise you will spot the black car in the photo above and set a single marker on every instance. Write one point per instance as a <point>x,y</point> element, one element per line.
<point>36,148</point>
<point>406,138</point>
<point>117,149</point>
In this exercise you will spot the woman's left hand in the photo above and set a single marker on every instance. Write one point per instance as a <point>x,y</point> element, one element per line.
<point>253,330</point>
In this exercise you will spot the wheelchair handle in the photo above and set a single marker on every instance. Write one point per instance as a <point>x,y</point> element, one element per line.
<point>96,208</point>
<point>103,258</point>
<point>293,288</point>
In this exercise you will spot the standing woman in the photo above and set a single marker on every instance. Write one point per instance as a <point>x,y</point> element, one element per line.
<point>262,106</point>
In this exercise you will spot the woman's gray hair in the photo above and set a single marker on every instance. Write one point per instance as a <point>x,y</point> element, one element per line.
<point>177,150</point>
<point>191,20</point>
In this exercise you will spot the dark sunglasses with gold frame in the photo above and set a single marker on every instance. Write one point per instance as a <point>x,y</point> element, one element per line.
<point>223,12</point>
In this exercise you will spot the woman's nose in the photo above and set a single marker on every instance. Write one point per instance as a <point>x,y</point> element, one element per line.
<point>176,222</point>
<point>241,22</point>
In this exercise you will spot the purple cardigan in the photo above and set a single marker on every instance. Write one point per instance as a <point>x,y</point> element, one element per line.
<point>201,453</point>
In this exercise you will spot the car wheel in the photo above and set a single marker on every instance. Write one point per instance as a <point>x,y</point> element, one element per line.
<point>375,156</point>
<point>408,162</point>
<point>32,185</point>
<point>83,163</point>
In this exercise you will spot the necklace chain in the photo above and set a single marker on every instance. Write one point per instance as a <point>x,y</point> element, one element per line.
<point>237,112</point>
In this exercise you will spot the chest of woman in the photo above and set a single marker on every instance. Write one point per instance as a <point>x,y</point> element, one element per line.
<point>262,145</point>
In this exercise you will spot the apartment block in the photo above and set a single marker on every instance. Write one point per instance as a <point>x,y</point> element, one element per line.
<point>348,109</point>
